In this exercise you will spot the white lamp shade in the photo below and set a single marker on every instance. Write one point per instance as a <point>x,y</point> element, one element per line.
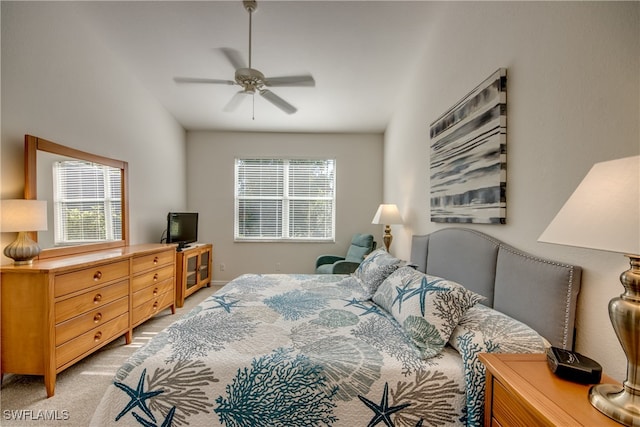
<point>387,214</point>
<point>23,215</point>
<point>603,212</point>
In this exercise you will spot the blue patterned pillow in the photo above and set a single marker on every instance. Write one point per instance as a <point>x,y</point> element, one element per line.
<point>484,330</point>
<point>427,307</point>
<point>376,267</point>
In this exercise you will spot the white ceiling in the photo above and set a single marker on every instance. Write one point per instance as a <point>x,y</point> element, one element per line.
<point>362,54</point>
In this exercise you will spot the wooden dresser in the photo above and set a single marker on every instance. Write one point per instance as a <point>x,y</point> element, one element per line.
<point>59,310</point>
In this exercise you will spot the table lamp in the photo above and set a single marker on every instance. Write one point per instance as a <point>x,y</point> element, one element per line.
<point>604,213</point>
<point>22,216</point>
<point>387,215</point>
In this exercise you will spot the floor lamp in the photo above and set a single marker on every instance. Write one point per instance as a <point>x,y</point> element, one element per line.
<point>387,214</point>
<point>604,213</point>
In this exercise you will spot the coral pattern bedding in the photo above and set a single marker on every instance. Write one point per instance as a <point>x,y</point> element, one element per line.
<point>297,350</point>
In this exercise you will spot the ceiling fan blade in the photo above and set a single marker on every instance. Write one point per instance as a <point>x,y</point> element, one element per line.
<point>235,101</point>
<point>297,81</point>
<point>234,57</point>
<point>277,101</point>
<point>198,80</point>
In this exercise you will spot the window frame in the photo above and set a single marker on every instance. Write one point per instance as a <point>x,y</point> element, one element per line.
<point>285,201</point>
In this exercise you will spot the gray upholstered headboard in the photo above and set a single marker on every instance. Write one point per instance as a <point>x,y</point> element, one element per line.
<point>539,292</point>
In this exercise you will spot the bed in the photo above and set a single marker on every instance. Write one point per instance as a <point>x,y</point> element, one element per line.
<point>392,344</point>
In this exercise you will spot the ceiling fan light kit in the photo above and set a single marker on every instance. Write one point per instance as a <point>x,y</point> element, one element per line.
<point>252,80</point>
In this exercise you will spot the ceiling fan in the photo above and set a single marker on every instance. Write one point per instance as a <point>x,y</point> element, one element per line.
<point>252,80</point>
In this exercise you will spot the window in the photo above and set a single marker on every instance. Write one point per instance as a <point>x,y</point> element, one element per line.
<point>86,202</point>
<point>285,199</point>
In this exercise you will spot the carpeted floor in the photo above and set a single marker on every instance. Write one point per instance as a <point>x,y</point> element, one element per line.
<point>23,400</point>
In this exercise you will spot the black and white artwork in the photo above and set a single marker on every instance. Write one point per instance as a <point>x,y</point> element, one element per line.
<point>468,156</point>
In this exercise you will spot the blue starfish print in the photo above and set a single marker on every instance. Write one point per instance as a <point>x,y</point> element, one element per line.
<point>401,293</point>
<point>221,300</point>
<point>383,411</point>
<point>353,301</point>
<point>368,309</point>
<point>166,423</point>
<point>425,286</point>
<point>138,397</point>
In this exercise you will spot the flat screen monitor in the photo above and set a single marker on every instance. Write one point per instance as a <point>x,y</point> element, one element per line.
<point>182,228</point>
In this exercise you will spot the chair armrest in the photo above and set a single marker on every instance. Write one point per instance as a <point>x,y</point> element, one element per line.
<point>327,259</point>
<point>345,267</point>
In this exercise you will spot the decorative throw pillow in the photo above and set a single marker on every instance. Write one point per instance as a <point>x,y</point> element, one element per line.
<point>484,330</point>
<point>427,307</point>
<point>376,267</point>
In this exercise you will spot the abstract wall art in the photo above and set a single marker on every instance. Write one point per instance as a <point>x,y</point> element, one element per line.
<point>468,156</point>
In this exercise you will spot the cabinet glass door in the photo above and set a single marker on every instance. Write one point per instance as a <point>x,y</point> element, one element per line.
<point>204,265</point>
<point>192,271</point>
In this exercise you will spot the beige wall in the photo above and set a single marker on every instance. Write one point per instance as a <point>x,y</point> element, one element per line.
<point>573,100</point>
<point>210,156</point>
<point>60,83</point>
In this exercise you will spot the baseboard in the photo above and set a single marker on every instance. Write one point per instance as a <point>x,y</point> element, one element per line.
<point>219,283</point>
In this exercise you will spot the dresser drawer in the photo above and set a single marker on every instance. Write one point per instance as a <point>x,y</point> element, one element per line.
<point>95,298</point>
<point>151,292</point>
<point>91,319</point>
<point>95,337</point>
<point>85,278</point>
<point>152,307</point>
<point>155,276</point>
<point>147,262</point>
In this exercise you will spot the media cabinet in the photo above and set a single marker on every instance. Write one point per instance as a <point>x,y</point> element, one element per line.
<point>193,267</point>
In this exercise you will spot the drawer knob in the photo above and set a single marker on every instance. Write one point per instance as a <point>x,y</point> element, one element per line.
<point>155,260</point>
<point>98,275</point>
<point>155,306</point>
<point>155,277</point>
<point>97,298</point>
<point>97,336</point>
<point>155,292</point>
<point>97,318</point>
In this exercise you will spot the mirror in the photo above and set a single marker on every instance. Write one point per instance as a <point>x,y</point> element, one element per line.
<point>104,223</point>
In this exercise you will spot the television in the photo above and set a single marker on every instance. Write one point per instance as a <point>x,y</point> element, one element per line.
<point>182,228</point>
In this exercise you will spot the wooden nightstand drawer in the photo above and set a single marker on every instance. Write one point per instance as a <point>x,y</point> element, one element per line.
<point>147,262</point>
<point>99,316</point>
<point>88,277</point>
<point>509,411</point>
<point>95,298</point>
<point>153,277</point>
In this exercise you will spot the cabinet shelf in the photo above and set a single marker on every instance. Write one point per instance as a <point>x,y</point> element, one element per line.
<point>193,270</point>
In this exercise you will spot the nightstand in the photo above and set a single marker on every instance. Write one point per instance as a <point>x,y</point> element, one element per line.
<point>522,391</point>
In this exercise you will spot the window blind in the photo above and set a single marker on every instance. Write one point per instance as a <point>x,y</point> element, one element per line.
<point>285,199</point>
<point>86,202</point>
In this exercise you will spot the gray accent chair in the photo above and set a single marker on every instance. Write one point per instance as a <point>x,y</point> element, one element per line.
<point>361,246</point>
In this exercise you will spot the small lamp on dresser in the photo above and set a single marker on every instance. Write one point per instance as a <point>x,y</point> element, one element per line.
<point>22,216</point>
<point>387,214</point>
<point>604,213</point>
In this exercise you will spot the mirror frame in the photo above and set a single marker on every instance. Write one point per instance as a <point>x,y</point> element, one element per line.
<point>32,145</point>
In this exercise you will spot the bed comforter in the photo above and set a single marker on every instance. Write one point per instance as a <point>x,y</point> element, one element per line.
<point>295,350</point>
